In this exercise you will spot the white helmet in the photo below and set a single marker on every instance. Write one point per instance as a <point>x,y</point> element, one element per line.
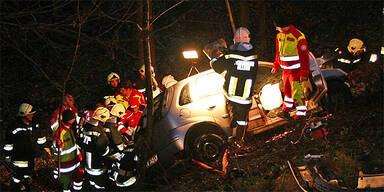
<point>101,114</point>
<point>241,35</point>
<point>113,76</point>
<point>110,101</point>
<point>25,109</point>
<point>355,45</point>
<point>142,70</point>
<point>118,110</point>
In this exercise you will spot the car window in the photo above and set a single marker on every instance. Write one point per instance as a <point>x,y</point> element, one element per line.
<point>185,97</point>
<point>201,87</point>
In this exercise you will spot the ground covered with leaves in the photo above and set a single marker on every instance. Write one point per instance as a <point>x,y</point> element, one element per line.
<point>354,144</point>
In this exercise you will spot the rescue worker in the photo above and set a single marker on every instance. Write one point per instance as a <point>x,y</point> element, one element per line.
<point>24,143</point>
<point>127,93</point>
<point>292,57</point>
<point>71,173</point>
<point>124,159</point>
<point>140,84</point>
<point>349,58</point>
<point>68,103</point>
<point>95,143</point>
<point>110,90</point>
<point>240,64</point>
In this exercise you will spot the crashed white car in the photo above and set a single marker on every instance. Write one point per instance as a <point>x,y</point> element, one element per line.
<point>192,116</point>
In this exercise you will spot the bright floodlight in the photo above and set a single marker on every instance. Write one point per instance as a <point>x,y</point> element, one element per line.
<point>190,54</point>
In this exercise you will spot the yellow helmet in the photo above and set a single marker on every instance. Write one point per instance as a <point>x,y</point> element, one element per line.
<point>101,114</point>
<point>113,76</point>
<point>118,110</point>
<point>110,101</point>
<point>25,109</point>
<point>355,45</point>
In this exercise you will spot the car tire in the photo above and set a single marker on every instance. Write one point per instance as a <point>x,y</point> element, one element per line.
<point>337,96</point>
<point>208,148</point>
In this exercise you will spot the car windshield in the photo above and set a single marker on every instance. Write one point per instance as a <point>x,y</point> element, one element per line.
<point>201,87</point>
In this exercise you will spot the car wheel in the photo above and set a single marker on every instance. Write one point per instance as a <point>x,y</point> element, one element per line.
<point>208,148</point>
<point>337,96</point>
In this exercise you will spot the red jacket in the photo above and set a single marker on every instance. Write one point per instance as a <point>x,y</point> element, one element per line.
<point>292,52</point>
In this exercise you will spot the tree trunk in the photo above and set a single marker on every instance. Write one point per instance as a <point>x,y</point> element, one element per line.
<point>262,29</point>
<point>244,14</point>
<point>140,36</point>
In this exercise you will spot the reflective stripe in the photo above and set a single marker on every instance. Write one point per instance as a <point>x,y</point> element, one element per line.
<point>301,108</point>
<point>141,90</point>
<point>290,58</point>
<point>78,183</point>
<point>107,130</point>
<point>247,88</point>
<point>54,125</point>
<point>127,183</point>
<point>212,61</point>
<point>289,105</point>
<point>120,127</point>
<point>117,156</point>
<point>136,158</point>
<point>95,172</point>
<point>120,147</point>
<point>15,180</point>
<point>294,66</point>
<point>344,60</point>
<point>41,140</point>
<point>66,190</point>
<point>357,60</point>
<point>373,58</point>
<point>20,163</point>
<point>8,147</point>
<point>382,51</point>
<point>106,152</point>
<point>242,122</point>
<point>70,150</point>
<point>21,129</point>
<point>300,113</point>
<point>78,119</point>
<point>26,176</point>
<point>232,85</point>
<point>240,101</point>
<point>77,188</point>
<point>88,158</point>
<point>69,169</point>
<point>92,133</point>
<point>234,56</point>
<point>288,99</point>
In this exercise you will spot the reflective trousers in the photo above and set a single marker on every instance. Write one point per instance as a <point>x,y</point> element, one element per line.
<point>293,93</point>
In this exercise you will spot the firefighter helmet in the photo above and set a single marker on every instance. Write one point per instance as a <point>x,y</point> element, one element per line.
<point>110,101</point>
<point>355,45</point>
<point>118,110</point>
<point>142,71</point>
<point>241,35</point>
<point>25,109</point>
<point>113,76</point>
<point>101,114</point>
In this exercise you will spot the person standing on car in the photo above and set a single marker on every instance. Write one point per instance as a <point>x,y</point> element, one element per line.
<point>240,64</point>
<point>293,57</point>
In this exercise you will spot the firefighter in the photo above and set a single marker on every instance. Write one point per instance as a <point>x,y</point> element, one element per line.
<point>24,143</point>
<point>113,80</point>
<point>240,64</point>
<point>68,103</point>
<point>70,170</point>
<point>293,57</point>
<point>140,84</point>
<point>95,143</point>
<point>125,160</point>
<point>349,57</point>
